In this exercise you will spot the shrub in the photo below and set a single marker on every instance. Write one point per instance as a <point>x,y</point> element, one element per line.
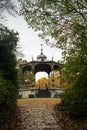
<point>8,72</point>
<point>31,96</point>
<point>74,100</point>
<point>8,96</point>
<point>57,95</point>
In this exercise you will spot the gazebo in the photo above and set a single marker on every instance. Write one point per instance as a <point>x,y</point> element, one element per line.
<point>40,65</point>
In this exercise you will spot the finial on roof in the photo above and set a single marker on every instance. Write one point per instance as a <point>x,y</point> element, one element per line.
<point>52,57</point>
<point>32,58</point>
<point>41,48</point>
<point>41,57</point>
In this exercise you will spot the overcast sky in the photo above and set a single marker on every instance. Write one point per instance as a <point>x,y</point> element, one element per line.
<point>30,42</point>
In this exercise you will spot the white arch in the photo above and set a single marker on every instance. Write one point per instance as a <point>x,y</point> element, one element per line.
<point>40,75</point>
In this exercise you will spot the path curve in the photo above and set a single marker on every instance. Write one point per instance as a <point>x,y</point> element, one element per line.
<point>37,114</point>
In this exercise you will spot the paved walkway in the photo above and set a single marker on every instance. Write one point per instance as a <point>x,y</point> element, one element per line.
<point>37,114</point>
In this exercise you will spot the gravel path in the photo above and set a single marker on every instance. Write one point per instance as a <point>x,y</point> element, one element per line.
<point>37,114</point>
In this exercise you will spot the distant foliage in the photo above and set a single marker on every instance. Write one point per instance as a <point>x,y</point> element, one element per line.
<point>53,80</point>
<point>42,82</point>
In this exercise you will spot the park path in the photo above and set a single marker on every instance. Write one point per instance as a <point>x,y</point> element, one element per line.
<point>37,114</point>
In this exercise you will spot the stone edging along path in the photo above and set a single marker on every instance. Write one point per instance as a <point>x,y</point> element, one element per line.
<point>37,114</point>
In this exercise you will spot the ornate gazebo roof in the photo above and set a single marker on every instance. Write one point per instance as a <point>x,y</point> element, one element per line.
<point>41,64</point>
<point>41,57</point>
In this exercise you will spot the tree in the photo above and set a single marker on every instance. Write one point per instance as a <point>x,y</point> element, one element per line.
<point>8,72</point>
<point>8,43</point>
<point>54,80</point>
<point>42,82</point>
<point>64,22</point>
<point>56,18</point>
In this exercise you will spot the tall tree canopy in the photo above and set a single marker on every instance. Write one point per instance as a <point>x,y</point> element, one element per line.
<point>8,73</point>
<point>55,18</point>
<point>8,43</point>
<point>62,23</point>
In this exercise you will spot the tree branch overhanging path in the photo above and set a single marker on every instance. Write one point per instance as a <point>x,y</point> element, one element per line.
<point>65,22</point>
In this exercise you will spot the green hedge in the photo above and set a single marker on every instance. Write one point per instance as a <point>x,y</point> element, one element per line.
<point>74,100</point>
<point>8,97</point>
<point>8,72</point>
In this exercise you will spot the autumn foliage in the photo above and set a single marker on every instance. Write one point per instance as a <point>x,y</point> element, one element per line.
<point>42,82</point>
<point>53,80</point>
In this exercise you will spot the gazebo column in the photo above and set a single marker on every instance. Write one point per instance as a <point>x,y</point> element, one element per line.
<point>52,71</point>
<point>61,79</point>
<point>33,72</point>
<point>48,80</point>
<point>21,75</point>
<point>52,79</point>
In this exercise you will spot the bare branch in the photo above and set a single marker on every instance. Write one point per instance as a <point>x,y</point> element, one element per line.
<point>7,7</point>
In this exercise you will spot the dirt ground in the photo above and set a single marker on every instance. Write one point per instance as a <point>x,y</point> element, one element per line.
<point>34,114</point>
<point>37,114</point>
<point>41,114</point>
